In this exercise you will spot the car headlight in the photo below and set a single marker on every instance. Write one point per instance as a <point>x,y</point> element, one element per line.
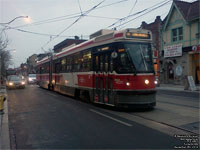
<point>30,79</point>
<point>10,83</point>
<point>156,82</point>
<point>23,82</point>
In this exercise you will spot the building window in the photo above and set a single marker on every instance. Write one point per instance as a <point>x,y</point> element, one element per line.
<point>177,34</point>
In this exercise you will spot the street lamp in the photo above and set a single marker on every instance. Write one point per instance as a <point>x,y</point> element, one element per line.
<point>13,20</point>
<point>3,31</point>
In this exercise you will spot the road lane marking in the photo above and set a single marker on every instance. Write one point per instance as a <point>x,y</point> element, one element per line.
<point>119,121</point>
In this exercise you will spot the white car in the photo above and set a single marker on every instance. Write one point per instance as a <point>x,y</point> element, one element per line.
<point>31,78</point>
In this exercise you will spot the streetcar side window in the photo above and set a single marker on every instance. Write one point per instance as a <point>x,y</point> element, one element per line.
<point>86,64</point>
<point>96,63</point>
<point>106,63</point>
<point>77,62</point>
<point>101,63</point>
<point>44,68</point>
<point>57,67</point>
<point>63,64</point>
<point>69,63</point>
<point>111,65</point>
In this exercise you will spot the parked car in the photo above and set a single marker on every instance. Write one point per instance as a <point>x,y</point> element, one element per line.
<point>31,78</point>
<point>14,81</point>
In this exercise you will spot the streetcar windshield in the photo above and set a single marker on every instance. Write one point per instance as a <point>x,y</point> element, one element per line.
<point>136,57</point>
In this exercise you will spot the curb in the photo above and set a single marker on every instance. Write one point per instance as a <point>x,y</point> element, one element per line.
<point>4,128</point>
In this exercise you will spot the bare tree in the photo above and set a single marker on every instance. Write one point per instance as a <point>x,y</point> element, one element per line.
<point>4,56</point>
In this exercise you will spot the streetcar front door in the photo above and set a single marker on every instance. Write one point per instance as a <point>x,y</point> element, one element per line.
<point>103,83</point>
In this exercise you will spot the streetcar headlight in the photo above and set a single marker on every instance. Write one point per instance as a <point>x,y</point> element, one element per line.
<point>127,83</point>
<point>10,83</point>
<point>146,81</point>
<point>156,82</point>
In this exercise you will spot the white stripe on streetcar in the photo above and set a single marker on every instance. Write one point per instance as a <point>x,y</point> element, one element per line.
<point>119,121</point>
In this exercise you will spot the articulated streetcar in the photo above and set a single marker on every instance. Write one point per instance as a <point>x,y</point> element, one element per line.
<point>113,69</point>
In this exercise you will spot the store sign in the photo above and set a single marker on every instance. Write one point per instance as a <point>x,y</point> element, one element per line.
<point>173,50</point>
<point>196,48</point>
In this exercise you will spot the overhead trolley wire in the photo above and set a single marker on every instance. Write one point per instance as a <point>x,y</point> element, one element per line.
<point>137,13</point>
<point>36,33</point>
<point>144,13</point>
<point>80,7</point>
<point>65,17</point>
<point>85,13</point>
<point>133,7</point>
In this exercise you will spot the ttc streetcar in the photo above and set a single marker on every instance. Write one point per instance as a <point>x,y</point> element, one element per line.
<point>113,68</point>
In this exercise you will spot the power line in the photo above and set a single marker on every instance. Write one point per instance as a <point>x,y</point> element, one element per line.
<point>65,17</point>
<point>73,17</point>
<point>80,7</point>
<point>102,17</point>
<point>40,34</point>
<point>133,7</point>
<point>137,13</point>
<point>144,13</point>
<point>74,22</point>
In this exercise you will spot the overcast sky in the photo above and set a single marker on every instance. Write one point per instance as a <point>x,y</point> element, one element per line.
<point>62,18</point>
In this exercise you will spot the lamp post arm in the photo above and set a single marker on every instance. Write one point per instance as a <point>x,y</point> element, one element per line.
<point>14,19</point>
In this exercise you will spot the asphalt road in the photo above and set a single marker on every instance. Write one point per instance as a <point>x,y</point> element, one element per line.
<point>41,119</point>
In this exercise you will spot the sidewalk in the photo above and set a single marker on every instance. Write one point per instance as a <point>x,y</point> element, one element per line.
<point>173,87</point>
<point>4,126</point>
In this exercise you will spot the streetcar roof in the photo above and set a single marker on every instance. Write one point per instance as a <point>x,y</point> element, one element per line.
<point>111,36</point>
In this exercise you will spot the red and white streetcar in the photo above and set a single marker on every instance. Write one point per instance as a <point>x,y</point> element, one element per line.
<point>113,68</point>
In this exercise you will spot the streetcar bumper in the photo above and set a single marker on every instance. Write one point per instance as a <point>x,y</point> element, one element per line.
<point>136,98</point>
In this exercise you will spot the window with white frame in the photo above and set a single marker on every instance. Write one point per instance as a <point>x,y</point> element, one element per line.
<point>177,34</point>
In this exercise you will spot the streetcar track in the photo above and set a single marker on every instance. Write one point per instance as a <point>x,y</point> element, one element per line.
<point>178,104</point>
<point>166,124</point>
<point>177,96</point>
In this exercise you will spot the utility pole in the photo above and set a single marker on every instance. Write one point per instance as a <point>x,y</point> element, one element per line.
<point>0,67</point>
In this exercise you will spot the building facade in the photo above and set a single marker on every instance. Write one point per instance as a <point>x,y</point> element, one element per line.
<point>66,43</point>
<point>181,43</point>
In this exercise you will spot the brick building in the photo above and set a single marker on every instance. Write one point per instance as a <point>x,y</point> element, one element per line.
<point>66,43</point>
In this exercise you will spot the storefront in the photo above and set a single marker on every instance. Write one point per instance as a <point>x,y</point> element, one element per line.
<point>194,59</point>
<point>178,63</point>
